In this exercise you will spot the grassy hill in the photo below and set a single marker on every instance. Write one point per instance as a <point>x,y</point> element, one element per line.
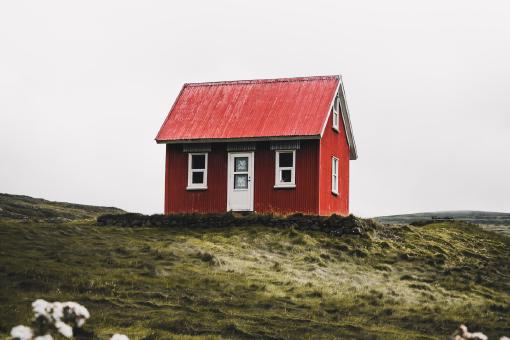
<point>252,282</point>
<point>25,207</point>
<point>494,221</point>
<point>482,217</point>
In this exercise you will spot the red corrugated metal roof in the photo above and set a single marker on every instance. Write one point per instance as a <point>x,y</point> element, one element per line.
<point>250,109</point>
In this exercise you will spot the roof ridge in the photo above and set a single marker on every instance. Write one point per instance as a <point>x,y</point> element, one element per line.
<point>261,81</point>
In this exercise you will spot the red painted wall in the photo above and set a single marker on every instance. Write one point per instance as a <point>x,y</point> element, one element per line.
<point>310,196</point>
<point>304,197</point>
<point>267,199</point>
<point>334,143</point>
<point>178,199</point>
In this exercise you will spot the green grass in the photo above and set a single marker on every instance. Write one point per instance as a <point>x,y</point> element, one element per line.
<point>29,208</point>
<point>497,228</point>
<point>493,221</point>
<point>260,282</point>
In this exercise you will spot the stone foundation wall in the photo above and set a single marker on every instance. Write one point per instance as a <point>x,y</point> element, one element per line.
<point>334,224</point>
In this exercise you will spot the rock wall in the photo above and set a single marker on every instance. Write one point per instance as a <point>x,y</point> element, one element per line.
<point>335,224</point>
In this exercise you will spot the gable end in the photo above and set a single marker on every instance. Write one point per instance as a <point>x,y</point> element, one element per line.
<point>353,154</point>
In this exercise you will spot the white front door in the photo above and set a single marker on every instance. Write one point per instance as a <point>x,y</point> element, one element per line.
<point>240,181</point>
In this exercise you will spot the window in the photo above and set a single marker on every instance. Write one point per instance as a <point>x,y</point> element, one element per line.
<point>336,113</point>
<point>285,169</point>
<point>197,171</point>
<point>334,175</point>
<point>241,173</point>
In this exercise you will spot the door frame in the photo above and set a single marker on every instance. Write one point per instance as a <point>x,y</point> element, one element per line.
<point>251,177</point>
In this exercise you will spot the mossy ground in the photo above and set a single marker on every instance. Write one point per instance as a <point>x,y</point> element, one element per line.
<point>26,207</point>
<point>260,282</point>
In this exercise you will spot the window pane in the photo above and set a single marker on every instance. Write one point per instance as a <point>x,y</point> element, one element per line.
<point>286,176</point>
<point>335,166</point>
<point>241,164</point>
<point>241,181</point>
<point>197,177</point>
<point>286,159</point>
<point>198,161</point>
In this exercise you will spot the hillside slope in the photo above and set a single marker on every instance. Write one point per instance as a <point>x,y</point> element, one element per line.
<point>260,282</point>
<point>25,207</point>
<point>482,217</point>
<point>494,221</point>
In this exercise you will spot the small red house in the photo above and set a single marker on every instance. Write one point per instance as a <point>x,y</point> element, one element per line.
<point>276,145</point>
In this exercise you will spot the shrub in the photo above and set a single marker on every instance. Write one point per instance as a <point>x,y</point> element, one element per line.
<point>55,317</point>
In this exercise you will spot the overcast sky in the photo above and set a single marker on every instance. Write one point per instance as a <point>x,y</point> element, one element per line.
<point>85,86</point>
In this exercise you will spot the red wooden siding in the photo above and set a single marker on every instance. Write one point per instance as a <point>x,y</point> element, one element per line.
<point>304,197</point>
<point>267,199</point>
<point>178,199</point>
<point>334,144</point>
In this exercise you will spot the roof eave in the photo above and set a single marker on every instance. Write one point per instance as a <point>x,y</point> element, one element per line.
<point>238,139</point>
<point>170,112</point>
<point>353,153</point>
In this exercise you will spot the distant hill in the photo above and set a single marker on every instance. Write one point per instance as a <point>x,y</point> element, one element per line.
<point>25,207</point>
<point>480,217</point>
<point>495,221</point>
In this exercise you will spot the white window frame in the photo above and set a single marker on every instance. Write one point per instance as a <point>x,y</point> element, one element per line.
<point>334,175</point>
<point>336,113</point>
<point>277,181</point>
<point>197,186</point>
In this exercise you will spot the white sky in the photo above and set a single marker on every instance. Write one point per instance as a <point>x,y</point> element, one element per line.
<point>85,86</point>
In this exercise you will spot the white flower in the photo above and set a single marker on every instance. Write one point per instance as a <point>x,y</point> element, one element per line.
<point>479,335</point>
<point>80,312</point>
<point>44,337</point>
<point>80,322</point>
<point>57,310</point>
<point>64,329</point>
<point>54,313</point>
<point>22,332</point>
<point>465,334</point>
<point>41,308</point>
<point>119,337</point>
